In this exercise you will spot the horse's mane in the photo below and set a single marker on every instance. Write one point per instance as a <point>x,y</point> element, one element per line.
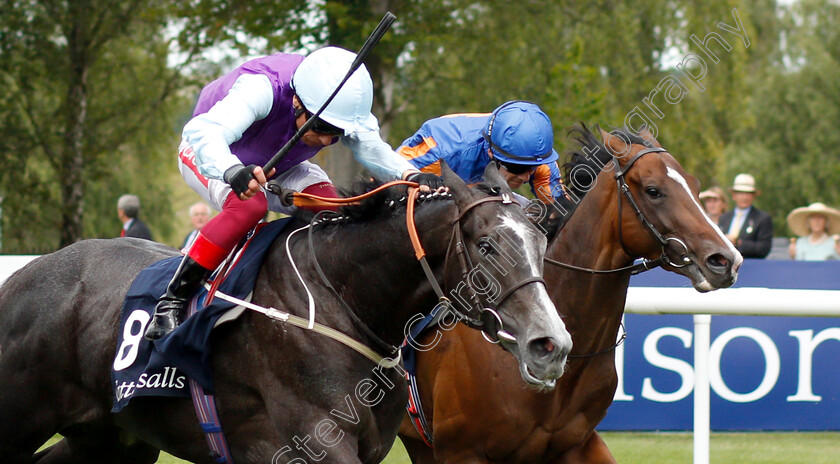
<point>381,205</point>
<point>596,155</point>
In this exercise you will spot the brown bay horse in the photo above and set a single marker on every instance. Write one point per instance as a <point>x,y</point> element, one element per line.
<point>478,412</point>
<point>284,394</point>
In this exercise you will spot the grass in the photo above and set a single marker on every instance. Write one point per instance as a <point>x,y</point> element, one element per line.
<point>677,448</point>
<point>726,448</point>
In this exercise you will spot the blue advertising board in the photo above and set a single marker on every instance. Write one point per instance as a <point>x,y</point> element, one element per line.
<point>766,373</point>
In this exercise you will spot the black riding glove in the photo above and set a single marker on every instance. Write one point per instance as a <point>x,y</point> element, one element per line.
<point>238,177</point>
<point>425,178</point>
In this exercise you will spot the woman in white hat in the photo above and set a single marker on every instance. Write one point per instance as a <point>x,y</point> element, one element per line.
<point>817,226</point>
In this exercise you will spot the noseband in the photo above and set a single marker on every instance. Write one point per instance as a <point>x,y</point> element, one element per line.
<point>664,242</point>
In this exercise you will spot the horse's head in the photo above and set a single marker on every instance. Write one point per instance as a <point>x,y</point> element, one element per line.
<point>494,273</point>
<point>661,216</point>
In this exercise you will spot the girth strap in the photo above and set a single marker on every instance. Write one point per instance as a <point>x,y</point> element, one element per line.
<point>302,323</point>
<point>208,417</point>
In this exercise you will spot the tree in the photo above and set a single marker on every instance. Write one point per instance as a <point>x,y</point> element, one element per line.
<point>88,87</point>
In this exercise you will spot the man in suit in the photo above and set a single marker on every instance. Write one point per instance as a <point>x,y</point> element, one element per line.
<point>747,227</point>
<point>199,215</point>
<point>128,208</point>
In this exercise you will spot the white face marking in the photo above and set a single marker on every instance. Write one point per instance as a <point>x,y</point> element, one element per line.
<point>533,245</point>
<point>530,241</point>
<point>681,180</point>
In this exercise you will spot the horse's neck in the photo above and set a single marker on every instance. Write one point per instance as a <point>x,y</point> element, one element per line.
<point>591,304</point>
<point>374,268</point>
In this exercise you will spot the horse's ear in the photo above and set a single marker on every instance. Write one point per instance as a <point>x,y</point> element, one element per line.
<point>645,133</point>
<point>456,185</point>
<point>616,144</point>
<point>495,179</point>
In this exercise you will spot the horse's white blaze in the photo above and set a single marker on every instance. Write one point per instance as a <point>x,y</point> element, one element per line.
<point>533,245</point>
<point>681,180</point>
<point>530,242</point>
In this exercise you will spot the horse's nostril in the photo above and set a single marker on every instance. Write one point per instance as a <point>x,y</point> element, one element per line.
<point>549,346</point>
<point>541,347</point>
<point>717,262</point>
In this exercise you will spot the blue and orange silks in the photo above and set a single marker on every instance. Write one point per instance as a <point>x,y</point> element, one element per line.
<point>458,139</point>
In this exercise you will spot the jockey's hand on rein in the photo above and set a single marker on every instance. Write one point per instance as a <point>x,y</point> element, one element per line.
<point>238,177</point>
<point>430,180</point>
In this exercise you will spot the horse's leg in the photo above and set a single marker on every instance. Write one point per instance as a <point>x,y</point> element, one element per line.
<point>99,446</point>
<point>592,451</point>
<point>418,452</point>
<point>29,417</point>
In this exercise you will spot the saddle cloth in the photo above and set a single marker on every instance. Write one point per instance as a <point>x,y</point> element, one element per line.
<point>162,368</point>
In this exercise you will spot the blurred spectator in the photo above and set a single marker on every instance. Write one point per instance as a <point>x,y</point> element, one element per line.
<point>714,202</point>
<point>817,227</point>
<point>128,210</point>
<point>747,227</point>
<point>199,215</point>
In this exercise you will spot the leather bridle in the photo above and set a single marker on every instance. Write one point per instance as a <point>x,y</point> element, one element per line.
<point>481,316</point>
<point>664,242</point>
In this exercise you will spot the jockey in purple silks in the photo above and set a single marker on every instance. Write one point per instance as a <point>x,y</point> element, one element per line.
<point>240,122</point>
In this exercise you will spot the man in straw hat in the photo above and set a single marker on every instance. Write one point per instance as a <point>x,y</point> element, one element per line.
<point>817,227</point>
<point>747,227</point>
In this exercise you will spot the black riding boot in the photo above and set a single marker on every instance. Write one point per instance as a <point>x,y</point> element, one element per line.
<point>171,309</point>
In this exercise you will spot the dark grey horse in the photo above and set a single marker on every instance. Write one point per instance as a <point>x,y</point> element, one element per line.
<point>284,394</point>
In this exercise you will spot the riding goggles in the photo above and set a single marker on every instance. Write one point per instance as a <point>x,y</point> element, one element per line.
<point>323,127</point>
<point>516,169</point>
<point>319,125</point>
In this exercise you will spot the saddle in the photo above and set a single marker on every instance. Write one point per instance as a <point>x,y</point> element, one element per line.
<point>163,367</point>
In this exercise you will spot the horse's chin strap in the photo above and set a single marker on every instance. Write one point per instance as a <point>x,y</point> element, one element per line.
<point>638,268</point>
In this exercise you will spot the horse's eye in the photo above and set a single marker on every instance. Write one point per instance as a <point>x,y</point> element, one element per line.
<point>653,192</point>
<point>485,247</point>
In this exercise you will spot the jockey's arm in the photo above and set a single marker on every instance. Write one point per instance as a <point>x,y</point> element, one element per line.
<point>377,156</point>
<point>210,134</point>
<point>547,183</point>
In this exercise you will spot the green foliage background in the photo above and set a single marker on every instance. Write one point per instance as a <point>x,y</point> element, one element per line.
<point>770,109</point>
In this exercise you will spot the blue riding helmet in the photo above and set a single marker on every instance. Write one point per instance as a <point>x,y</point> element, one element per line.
<point>520,133</point>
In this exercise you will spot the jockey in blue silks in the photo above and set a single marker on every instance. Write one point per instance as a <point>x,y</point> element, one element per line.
<point>517,136</point>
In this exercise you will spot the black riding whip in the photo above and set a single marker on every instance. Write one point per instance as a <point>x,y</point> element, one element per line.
<point>371,42</point>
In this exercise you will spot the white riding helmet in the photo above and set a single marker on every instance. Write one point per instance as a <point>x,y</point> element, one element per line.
<point>316,79</point>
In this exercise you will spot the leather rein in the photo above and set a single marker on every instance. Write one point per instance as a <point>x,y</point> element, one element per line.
<point>485,316</point>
